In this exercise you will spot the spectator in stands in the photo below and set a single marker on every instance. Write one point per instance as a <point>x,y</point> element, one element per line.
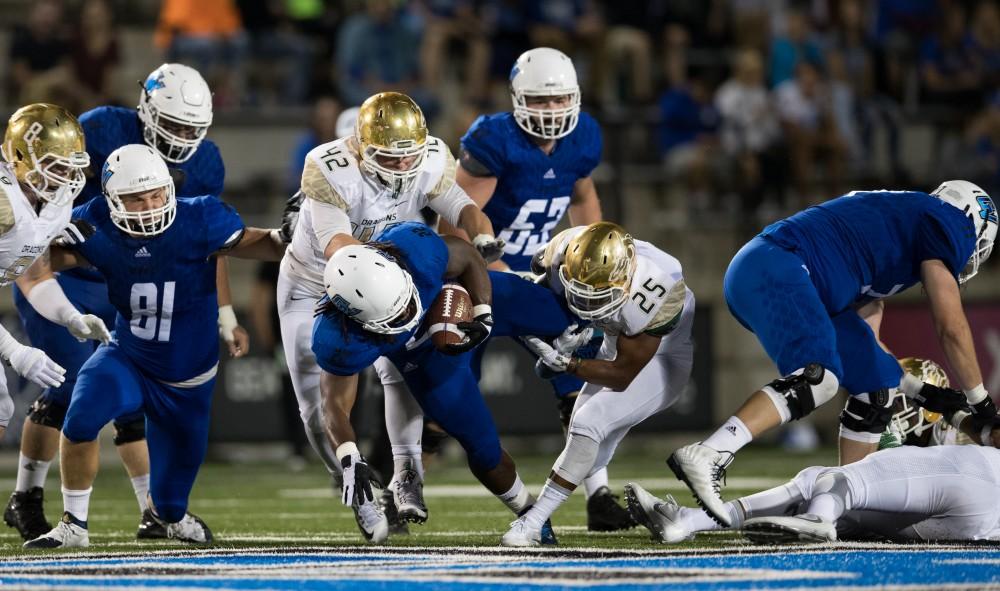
<point>506,24</point>
<point>281,56</point>
<point>96,55</point>
<point>899,27</point>
<point>805,109</point>
<point>689,141</point>
<point>378,50</point>
<point>751,134</point>
<point>322,129</point>
<point>950,72</point>
<point>628,47</point>
<point>985,41</point>
<point>571,26</point>
<point>448,21</point>
<point>39,56</point>
<point>208,36</point>
<point>795,46</point>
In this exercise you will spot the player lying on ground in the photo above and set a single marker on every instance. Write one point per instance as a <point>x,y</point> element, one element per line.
<point>157,254</point>
<point>636,294</point>
<point>798,285</point>
<point>352,190</point>
<point>378,296</point>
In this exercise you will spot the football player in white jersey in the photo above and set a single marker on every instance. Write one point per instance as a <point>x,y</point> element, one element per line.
<point>44,159</point>
<point>354,188</point>
<point>636,293</point>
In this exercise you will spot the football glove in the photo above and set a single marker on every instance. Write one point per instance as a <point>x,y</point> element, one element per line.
<point>290,216</point>
<point>984,409</point>
<point>489,247</point>
<point>88,326</point>
<point>551,357</point>
<point>573,338</point>
<point>358,481</point>
<point>75,233</point>
<point>476,331</point>
<point>34,365</point>
<point>940,400</point>
<point>537,262</point>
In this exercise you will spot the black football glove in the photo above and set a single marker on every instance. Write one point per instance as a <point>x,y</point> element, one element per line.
<point>358,481</point>
<point>290,216</point>
<point>476,331</point>
<point>941,400</point>
<point>537,266</point>
<point>984,409</point>
<point>75,233</point>
<point>489,247</point>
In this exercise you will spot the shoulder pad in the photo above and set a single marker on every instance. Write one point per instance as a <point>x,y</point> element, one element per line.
<point>7,184</point>
<point>438,174</point>
<point>331,174</point>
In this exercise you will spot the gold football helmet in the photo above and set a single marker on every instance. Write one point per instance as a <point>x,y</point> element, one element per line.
<point>597,270</point>
<point>910,418</point>
<point>44,143</point>
<point>392,137</point>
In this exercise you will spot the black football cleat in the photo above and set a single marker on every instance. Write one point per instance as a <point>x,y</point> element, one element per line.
<point>150,528</point>
<point>397,526</point>
<point>26,514</point>
<point>605,514</point>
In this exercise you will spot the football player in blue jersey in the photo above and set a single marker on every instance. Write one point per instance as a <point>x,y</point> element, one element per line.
<point>157,254</point>
<point>527,169</point>
<point>802,286</point>
<point>174,113</point>
<point>377,296</point>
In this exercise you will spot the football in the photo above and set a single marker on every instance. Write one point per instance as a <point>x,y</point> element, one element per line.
<point>452,305</point>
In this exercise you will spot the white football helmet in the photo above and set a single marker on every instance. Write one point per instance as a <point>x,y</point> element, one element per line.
<point>979,207</point>
<point>175,108</point>
<point>136,168</point>
<point>544,71</point>
<point>368,286</point>
<point>346,121</point>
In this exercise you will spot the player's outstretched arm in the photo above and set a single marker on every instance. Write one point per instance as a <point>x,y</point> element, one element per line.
<point>339,394</point>
<point>634,353</point>
<point>40,288</point>
<point>258,244</point>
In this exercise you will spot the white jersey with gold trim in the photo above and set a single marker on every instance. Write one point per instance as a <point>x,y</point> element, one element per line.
<point>24,234</point>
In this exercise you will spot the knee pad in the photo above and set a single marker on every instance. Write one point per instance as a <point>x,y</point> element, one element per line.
<point>798,394</point>
<point>130,431</point>
<point>48,412</point>
<point>866,416</point>
<point>6,409</point>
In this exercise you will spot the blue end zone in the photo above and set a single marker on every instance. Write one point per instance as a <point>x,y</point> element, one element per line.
<point>857,566</point>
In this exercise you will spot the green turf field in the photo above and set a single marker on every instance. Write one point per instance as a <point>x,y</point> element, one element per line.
<point>268,505</point>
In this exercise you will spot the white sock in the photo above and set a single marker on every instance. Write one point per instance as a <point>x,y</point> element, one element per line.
<point>595,481</point>
<point>696,520</point>
<point>780,500</point>
<point>140,484</point>
<point>517,498</point>
<point>30,473</point>
<point>730,437</point>
<point>77,502</point>
<point>408,457</point>
<point>552,496</point>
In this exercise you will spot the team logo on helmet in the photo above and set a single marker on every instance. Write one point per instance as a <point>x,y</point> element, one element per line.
<point>344,306</point>
<point>987,210</point>
<point>154,83</point>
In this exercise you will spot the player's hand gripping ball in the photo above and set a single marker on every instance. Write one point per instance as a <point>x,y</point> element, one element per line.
<point>452,307</point>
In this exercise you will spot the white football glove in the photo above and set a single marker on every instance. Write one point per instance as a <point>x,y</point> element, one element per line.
<point>489,247</point>
<point>33,364</point>
<point>547,354</point>
<point>358,480</point>
<point>573,338</point>
<point>88,326</point>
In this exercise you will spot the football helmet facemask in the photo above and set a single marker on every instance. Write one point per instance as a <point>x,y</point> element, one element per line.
<point>391,133</point>
<point>175,108</point>
<point>597,270</point>
<point>545,72</point>
<point>45,145</point>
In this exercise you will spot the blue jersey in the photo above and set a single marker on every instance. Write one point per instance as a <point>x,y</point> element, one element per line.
<point>108,128</point>
<point>163,286</point>
<point>341,346</point>
<point>533,189</point>
<point>869,245</point>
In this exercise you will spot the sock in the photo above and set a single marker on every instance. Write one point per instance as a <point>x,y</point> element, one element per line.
<point>595,481</point>
<point>30,473</point>
<point>730,437</point>
<point>695,520</point>
<point>140,484</point>
<point>552,496</point>
<point>517,498</point>
<point>408,457</point>
<point>780,500</point>
<point>77,502</point>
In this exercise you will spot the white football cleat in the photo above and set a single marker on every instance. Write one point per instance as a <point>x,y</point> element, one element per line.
<point>660,517</point>
<point>800,529</point>
<point>70,532</point>
<point>372,522</point>
<point>408,493</point>
<point>190,529</point>
<point>520,535</point>
<point>702,470</point>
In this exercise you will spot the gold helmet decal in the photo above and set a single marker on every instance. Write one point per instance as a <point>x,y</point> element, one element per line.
<point>909,418</point>
<point>45,145</point>
<point>392,137</point>
<point>597,270</point>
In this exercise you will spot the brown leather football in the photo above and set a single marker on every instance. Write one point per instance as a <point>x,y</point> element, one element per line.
<point>452,305</point>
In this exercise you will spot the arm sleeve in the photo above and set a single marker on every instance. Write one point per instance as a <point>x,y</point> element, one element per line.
<point>450,205</point>
<point>482,146</point>
<point>328,221</point>
<point>223,226</point>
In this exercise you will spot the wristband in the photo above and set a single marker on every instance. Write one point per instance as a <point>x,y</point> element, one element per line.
<point>227,321</point>
<point>976,395</point>
<point>573,365</point>
<point>957,418</point>
<point>347,449</point>
<point>480,309</point>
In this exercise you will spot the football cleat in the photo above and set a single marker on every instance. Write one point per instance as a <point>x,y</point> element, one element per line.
<point>372,522</point>
<point>548,534</point>
<point>656,515</point>
<point>521,535</point>
<point>190,529</point>
<point>408,494</point>
<point>703,469</point>
<point>150,528</point>
<point>800,529</point>
<point>26,514</point>
<point>605,514</point>
<point>397,527</point>
<point>69,533</point>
